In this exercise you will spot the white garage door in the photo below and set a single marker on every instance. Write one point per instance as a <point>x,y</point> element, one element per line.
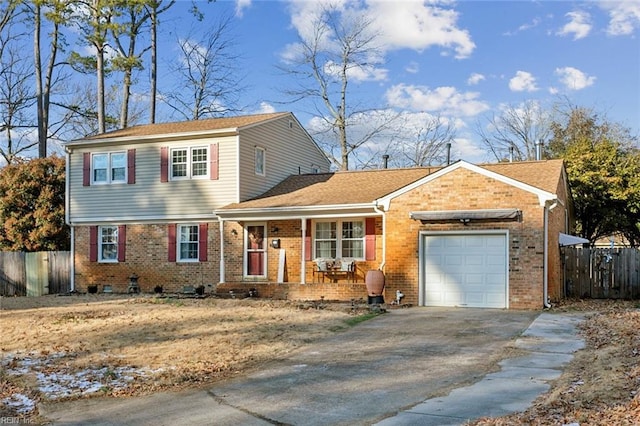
<point>467,270</point>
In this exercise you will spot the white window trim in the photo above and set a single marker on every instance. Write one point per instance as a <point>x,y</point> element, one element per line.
<point>100,258</point>
<point>109,181</point>
<point>179,227</point>
<point>189,175</point>
<point>264,161</point>
<point>339,223</point>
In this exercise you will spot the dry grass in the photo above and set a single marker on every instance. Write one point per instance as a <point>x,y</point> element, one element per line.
<point>161,343</point>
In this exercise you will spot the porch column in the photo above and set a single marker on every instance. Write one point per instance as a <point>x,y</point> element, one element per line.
<point>303,264</point>
<point>221,251</point>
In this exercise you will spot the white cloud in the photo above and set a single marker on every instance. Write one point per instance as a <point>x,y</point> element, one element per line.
<point>413,67</point>
<point>423,25</point>
<point>524,27</point>
<point>579,25</point>
<point>474,79</point>
<point>241,5</point>
<point>624,16</point>
<point>574,79</point>
<point>523,82</point>
<point>358,73</point>
<point>445,100</point>
<point>265,108</point>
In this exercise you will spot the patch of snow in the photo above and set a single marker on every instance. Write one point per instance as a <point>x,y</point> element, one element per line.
<point>55,382</point>
<point>22,403</point>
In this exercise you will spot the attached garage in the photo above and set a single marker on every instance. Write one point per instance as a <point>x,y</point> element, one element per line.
<point>466,269</point>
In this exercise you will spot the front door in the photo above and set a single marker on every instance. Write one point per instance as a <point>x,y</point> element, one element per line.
<point>255,247</point>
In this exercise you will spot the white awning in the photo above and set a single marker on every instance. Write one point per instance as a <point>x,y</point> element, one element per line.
<point>571,240</point>
<point>466,215</point>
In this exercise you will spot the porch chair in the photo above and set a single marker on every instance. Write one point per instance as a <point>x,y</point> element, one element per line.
<point>321,268</point>
<point>348,267</point>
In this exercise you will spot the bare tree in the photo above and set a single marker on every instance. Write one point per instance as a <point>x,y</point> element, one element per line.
<point>56,12</point>
<point>432,137</point>
<point>208,75</point>
<point>16,100</point>
<point>338,47</point>
<point>514,133</point>
<point>125,38</point>
<point>154,9</point>
<point>96,18</point>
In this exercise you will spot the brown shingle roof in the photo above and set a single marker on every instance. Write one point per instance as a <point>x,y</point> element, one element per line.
<point>188,126</point>
<point>353,187</point>
<point>543,175</point>
<point>365,186</point>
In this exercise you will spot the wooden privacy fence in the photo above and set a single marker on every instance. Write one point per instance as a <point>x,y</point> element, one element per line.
<point>599,273</point>
<point>34,274</point>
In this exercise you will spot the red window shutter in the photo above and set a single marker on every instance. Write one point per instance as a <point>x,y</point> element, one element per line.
<point>307,241</point>
<point>171,237</point>
<point>131,166</point>
<point>202,241</point>
<point>122,243</point>
<point>86,169</point>
<point>164,164</point>
<point>370,238</point>
<point>214,162</point>
<point>93,244</point>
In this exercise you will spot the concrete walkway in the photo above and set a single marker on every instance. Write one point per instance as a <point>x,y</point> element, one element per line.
<point>550,341</point>
<point>379,372</point>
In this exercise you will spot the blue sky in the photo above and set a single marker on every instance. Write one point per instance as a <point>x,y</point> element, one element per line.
<point>459,60</point>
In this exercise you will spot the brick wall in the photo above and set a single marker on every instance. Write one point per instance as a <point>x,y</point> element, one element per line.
<point>147,257</point>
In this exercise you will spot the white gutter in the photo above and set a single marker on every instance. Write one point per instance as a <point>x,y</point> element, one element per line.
<point>384,237</point>
<point>67,220</point>
<point>303,266</point>
<point>222,272</point>
<point>71,260</point>
<point>545,268</point>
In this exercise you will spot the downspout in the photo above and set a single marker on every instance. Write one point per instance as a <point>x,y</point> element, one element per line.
<point>303,263</point>
<point>67,203</point>
<point>384,236</point>
<point>545,262</point>
<point>222,273</point>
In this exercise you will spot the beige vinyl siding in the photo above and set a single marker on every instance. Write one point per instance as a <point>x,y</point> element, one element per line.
<point>283,158</point>
<point>148,198</point>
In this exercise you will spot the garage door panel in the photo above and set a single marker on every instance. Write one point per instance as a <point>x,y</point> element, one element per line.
<point>465,270</point>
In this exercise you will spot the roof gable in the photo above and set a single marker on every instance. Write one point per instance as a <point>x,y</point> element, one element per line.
<point>492,171</point>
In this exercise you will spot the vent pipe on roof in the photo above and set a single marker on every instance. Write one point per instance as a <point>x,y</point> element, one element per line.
<point>511,154</point>
<point>385,161</point>
<point>539,146</point>
<point>448,153</point>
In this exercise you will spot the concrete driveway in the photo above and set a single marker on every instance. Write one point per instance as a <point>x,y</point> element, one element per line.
<point>357,377</point>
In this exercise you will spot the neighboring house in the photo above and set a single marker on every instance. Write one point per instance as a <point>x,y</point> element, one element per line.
<point>140,200</point>
<point>460,235</point>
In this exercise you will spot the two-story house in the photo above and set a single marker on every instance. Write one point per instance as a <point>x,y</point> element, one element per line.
<point>140,200</point>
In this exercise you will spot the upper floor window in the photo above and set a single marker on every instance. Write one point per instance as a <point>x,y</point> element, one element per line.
<point>260,161</point>
<point>190,163</point>
<point>340,239</point>
<point>108,243</point>
<point>109,167</point>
